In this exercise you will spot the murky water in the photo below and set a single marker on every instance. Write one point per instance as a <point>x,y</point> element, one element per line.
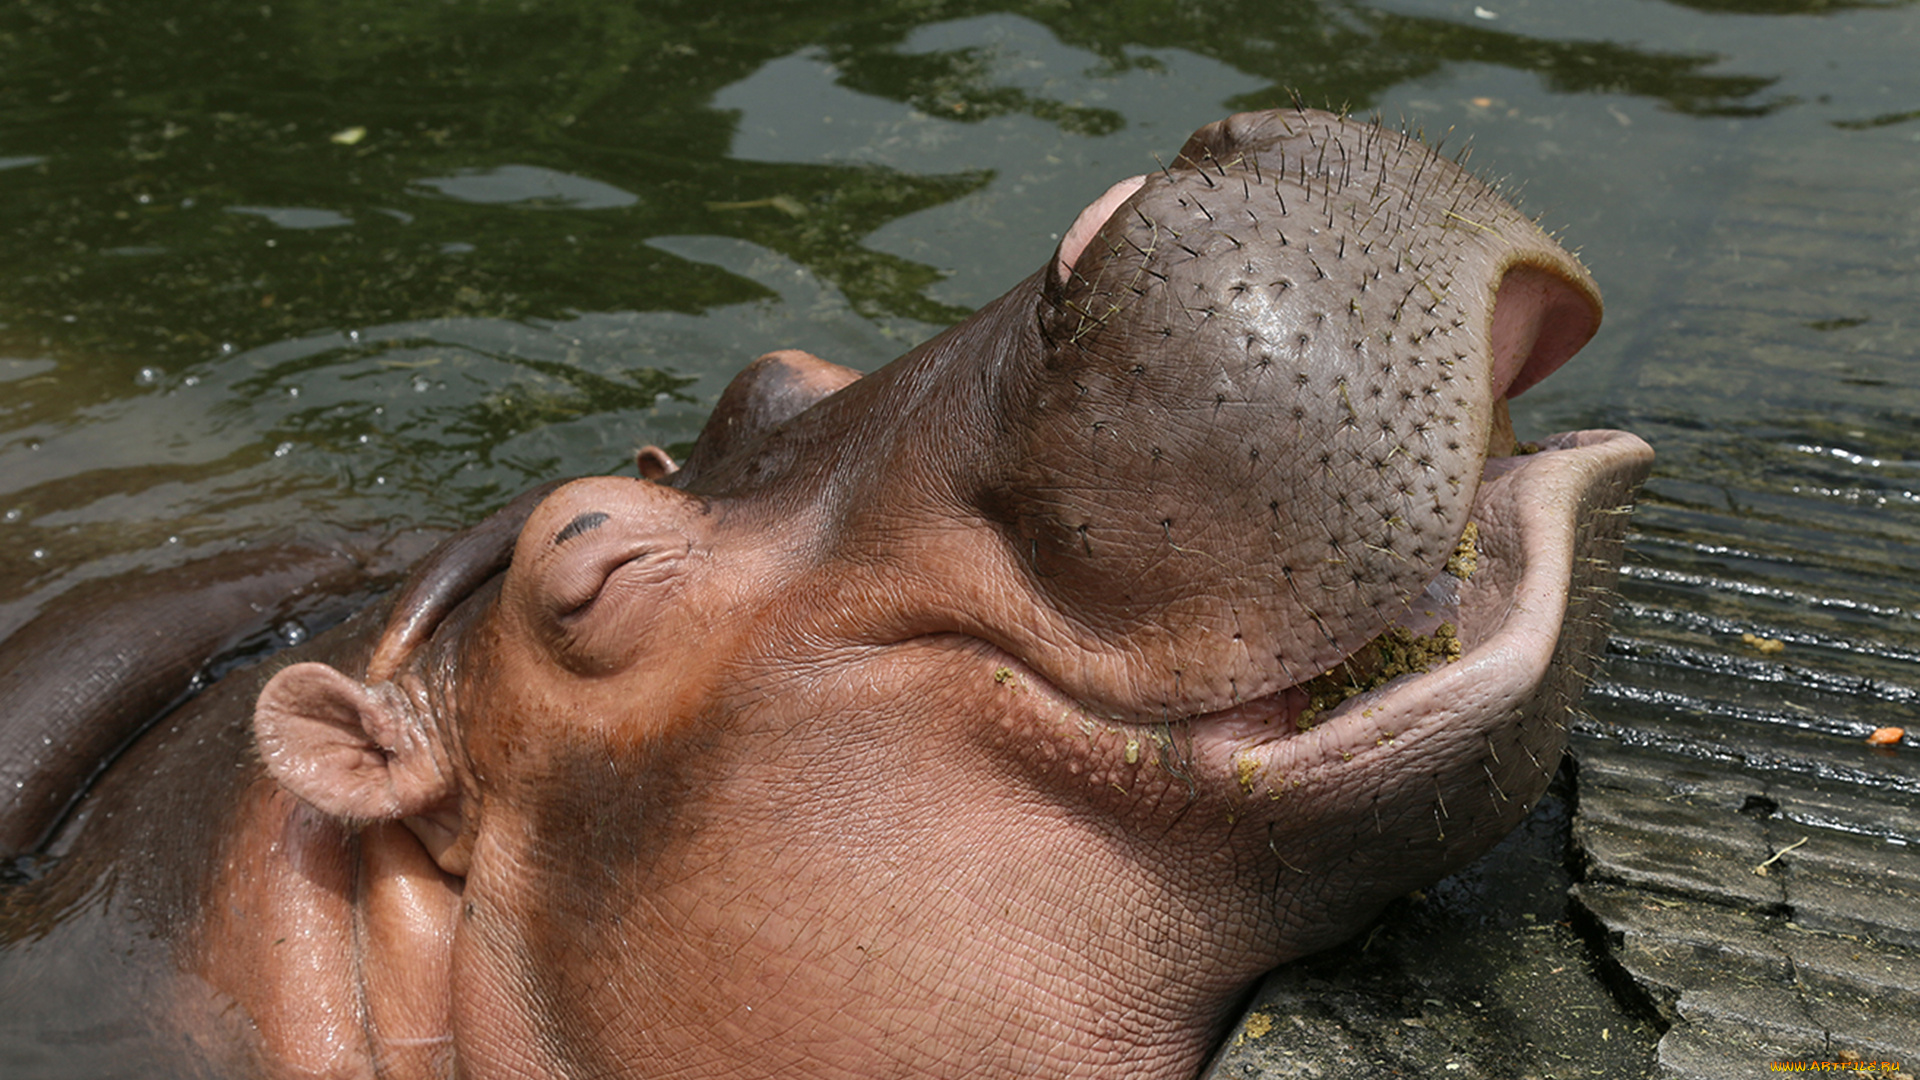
<point>274,267</point>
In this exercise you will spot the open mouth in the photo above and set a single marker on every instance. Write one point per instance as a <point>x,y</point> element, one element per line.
<point>1541,546</point>
<point>1470,683</point>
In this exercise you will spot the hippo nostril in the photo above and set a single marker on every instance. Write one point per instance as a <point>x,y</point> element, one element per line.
<point>1542,316</point>
<point>1084,227</point>
<point>585,523</point>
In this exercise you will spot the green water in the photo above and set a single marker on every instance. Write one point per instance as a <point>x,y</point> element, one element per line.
<point>273,268</point>
<point>273,263</point>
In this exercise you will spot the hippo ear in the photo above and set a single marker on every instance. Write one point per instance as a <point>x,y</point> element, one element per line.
<point>349,750</point>
<point>655,464</point>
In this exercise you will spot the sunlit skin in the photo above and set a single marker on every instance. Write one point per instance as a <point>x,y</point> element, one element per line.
<point>951,720</point>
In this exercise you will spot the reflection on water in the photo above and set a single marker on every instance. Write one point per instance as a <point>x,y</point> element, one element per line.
<point>345,262</point>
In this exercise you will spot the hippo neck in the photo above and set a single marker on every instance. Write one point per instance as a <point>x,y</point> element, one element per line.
<point>698,960</point>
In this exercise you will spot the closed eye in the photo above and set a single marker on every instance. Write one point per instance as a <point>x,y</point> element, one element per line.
<point>603,607</point>
<point>578,587</point>
<point>585,523</point>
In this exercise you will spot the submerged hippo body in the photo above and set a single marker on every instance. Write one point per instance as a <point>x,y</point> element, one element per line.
<point>965,718</point>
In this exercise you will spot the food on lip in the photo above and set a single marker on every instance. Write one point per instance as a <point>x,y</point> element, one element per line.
<point>1393,654</point>
<point>1466,554</point>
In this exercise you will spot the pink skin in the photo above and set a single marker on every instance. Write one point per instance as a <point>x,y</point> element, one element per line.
<point>1082,231</point>
<point>746,898</point>
<point>792,764</point>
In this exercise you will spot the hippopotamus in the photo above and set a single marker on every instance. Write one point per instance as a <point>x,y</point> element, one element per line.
<point>1007,711</point>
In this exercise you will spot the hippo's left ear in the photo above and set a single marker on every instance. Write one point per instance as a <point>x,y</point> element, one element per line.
<point>355,752</point>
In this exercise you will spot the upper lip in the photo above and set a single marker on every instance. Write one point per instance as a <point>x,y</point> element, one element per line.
<point>1535,501</point>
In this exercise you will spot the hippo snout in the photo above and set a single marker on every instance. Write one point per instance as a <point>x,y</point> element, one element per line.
<point>1255,427</point>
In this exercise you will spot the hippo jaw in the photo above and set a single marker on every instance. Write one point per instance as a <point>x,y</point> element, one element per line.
<point>1407,781</point>
<point>1537,536</point>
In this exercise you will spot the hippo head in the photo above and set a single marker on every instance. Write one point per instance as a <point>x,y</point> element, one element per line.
<point>1012,708</point>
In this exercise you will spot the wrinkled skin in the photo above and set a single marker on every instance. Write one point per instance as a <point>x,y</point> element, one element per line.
<point>944,721</point>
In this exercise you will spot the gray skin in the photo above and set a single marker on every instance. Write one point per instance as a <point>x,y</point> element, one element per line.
<point>946,721</point>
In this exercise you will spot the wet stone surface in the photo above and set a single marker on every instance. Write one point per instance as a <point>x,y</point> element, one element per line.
<point>1632,935</point>
<point>1486,974</point>
<point>1766,910</point>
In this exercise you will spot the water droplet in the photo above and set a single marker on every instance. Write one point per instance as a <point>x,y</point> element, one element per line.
<point>13,514</point>
<point>191,380</point>
<point>39,553</point>
<point>421,385</point>
<point>283,449</point>
<point>293,391</point>
<point>226,348</point>
<point>353,335</point>
<point>147,377</point>
<point>173,539</point>
<point>143,198</point>
<point>291,632</point>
